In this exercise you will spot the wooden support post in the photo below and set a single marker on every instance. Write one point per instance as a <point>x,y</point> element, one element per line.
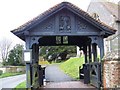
<point>96,52</point>
<point>28,75</point>
<point>101,46</point>
<point>35,58</point>
<point>40,71</point>
<point>90,55</point>
<point>99,75</point>
<point>28,68</point>
<point>94,48</point>
<point>85,53</point>
<point>101,50</point>
<point>33,61</point>
<point>36,53</point>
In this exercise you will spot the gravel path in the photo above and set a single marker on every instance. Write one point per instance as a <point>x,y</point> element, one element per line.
<point>54,74</point>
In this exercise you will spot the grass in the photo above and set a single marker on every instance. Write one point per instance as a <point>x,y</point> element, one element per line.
<point>71,66</point>
<point>21,85</point>
<point>9,74</point>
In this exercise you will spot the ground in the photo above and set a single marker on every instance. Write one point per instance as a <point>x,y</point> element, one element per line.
<point>58,79</point>
<point>11,82</point>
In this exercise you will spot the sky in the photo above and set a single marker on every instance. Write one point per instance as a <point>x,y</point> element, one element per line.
<point>14,13</point>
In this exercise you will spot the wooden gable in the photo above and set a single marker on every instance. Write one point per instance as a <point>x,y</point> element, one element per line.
<point>63,19</point>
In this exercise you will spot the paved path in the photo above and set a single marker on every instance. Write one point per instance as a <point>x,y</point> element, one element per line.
<point>11,82</point>
<point>54,74</point>
<point>60,80</point>
<point>69,84</point>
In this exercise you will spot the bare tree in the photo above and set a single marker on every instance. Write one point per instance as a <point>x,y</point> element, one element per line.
<point>5,46</point>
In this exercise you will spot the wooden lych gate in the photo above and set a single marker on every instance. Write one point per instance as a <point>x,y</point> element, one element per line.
<point>65,24</point>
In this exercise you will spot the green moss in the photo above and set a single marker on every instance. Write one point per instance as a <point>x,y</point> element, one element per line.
<point>71,66</point>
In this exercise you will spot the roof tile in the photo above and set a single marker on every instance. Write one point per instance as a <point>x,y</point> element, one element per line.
<point>67,4</point>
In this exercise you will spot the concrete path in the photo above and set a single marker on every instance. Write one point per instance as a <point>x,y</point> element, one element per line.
<point>11,82</point>
<point>54,74</point>
<point>59,80</point>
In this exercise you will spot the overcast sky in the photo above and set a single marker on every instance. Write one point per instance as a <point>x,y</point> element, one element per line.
<point>14,13</point>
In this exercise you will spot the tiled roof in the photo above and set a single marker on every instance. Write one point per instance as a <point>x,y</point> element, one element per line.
<point>84,14</point>
<point>113,8</point>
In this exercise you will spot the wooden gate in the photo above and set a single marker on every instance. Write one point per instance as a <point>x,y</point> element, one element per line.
<point>95,74</point>
<point>91,73</point>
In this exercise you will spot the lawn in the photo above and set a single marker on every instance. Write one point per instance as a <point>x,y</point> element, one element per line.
<point>71,66</point>
<point>10,74</point>
<point>21,85</point>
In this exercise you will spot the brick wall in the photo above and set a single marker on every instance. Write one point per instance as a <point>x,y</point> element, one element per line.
<point>111,74</point>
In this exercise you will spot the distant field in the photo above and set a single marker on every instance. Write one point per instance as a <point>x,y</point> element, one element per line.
<point>71,66</point>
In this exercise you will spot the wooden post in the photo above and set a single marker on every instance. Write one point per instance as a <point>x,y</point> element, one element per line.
<point>94,48</point>
<point>28,75</point>
<point>101,50</point>
<point>101,46</point>
<point>33,61</point>
<point>90,55</point>
<point>85,53</point>
<point>28,68</point>
<point>35,74</point>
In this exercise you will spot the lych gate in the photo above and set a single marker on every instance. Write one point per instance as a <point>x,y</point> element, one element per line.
<point>65,24</point>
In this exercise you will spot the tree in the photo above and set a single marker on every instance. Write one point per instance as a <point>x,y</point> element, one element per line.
<point>5,46</point>
<point>15,56</point>
<point>51,53</point>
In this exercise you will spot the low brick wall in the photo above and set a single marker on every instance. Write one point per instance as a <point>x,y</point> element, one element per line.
<point>111,74</point>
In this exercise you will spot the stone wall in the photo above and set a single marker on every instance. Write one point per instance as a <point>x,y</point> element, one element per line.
<point>13,69</point>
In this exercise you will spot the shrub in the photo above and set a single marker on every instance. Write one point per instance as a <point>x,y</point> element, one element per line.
<point>1,72</point>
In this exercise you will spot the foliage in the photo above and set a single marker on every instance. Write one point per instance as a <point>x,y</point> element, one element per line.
<point>42,62</point>
<point>71,66</point>
<point>1,72</point>
<point>10,74</point>
<point>15,56</point>
<point>5,46</point>
<point>1,64</point>
<point>52,52</point>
